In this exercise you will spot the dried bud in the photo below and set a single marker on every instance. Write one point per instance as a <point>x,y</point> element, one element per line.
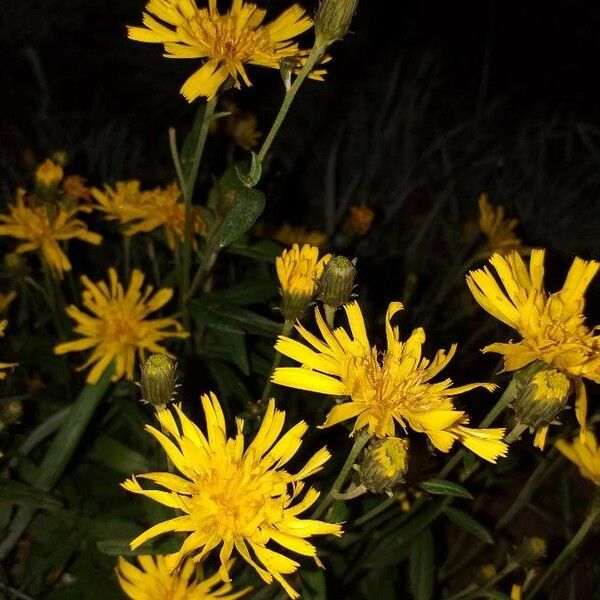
<point>158,380</point>
<point>384,464</point>
<point>337,281</point>
<point>332,20</point>
<point>529,552</point>
<point>48,174</point>
<point>541,393</point>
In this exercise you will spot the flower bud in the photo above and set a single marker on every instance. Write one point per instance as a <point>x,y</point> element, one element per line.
<point>359,221</point>
<point>541,393</point>
<point>529,552</point>
<point>384,464</point>
<point>485,573</point>
<point>158,380</point>
<point>337,281</point>
<point>332,20</point>
<point>10,413</point>
<point>16,266</point>
<point>48,174</point>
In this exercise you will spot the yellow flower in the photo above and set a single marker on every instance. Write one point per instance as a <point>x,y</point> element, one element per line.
<point>288,234</point>
<point>75,188</point>
<point>118,326</point>
<point>299,270</point>
<point>224,42</point>
<point>359,220</point>
<point>161,208</point>
<point>584,453</point>
<point>49,174</point>
<point>155,581</point>
<point>3,366</point>
<point>124,202</point>
<point>43,227</point>
<point>383,389</point>
<point>6,299</point>
<point>241,125</point>
<point>234,497</point>
<point>552,326</point>
<point>498,230</point>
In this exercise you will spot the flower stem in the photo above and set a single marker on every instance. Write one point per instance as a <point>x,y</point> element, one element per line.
<point>568,550</point>
<point>362,437</point>
<point>311,60</point>
<point>286,329</point>
<point>188,193</point>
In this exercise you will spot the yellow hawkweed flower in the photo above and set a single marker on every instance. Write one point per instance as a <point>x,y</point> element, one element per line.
<point>3,366</point>
<point>43,227</point>
<point>384,388</point>
<point>155,581</point>
<point>552,326</point>
<point>498,230</point>
<point>6,299</point>
<point>224,42</point>
<point>235,497</point>
<point>585,454</point>
<point>299,270</point>
<point>162,208</point>
<point>49,174</point>
<point>74,188</point>
<point>118,325</point>
<point>124,202</point>
<point>288,235</point>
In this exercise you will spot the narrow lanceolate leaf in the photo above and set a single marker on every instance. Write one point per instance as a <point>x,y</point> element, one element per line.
<point>247,205</point>
<point>21,494</point>
<point>469,524</point>
<point>190,142</point>
<point>118,456</point>
<point>445,488</point>
<point>422,566</point>
<point>122,547</point>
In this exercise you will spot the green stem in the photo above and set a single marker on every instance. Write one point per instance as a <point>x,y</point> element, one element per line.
<point>206,265</point>
<point>479,591</point>
<point>568,550</point>
<point>286,329</point>
<point>361,438</point>
<point>188,193</point>
<point>126,257</point>
<point>59,453</point>
<point>376,510</point>
<point>153,260</point>
<point>314,56</point>
<point>515,434</point>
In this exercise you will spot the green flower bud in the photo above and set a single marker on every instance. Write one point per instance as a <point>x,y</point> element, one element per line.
<point>529,552</point>
<point>16,265</point>
<point>337,282</point>
<point>10,413</point>
<point>541,393</point>
<point>384,464</point>
<point>332,20</point>
<point>158,380</point>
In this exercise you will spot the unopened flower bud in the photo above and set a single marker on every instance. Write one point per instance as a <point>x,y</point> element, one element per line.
<point>48,174</point>
<point>529,552</point>
<point>158,380</point>
<point>541,393</point>
<point>359,221</point>
<point>337,282</point>
<point>16,265</point>
<point>10,413</point>
<point>332,20</point>
<point>485,573</point>
<point>384,464</point>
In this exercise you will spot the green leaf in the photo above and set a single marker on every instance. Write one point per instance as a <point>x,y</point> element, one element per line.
<point>15,492</point>
<point>189,144</point>
<point>247,205</point>
<point>422,566</point>
<point>121,547</point>
<point>213,312</point>
<point>250,292</point>
<point>469,524</point>
<point>338,512</point>
<point>229,346</point>
<point>261,250</point>
<point>445,488</point>
<point>313,584</point>
<point>118,456</point>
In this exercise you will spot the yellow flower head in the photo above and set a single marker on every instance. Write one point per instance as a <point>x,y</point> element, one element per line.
<point>235,497</point>
<point>384,388</point>
<point>552,326</point>
<point>6,299</point>
<point>499,231</point>
<point>585,453</point>
<point>49,174</point>
<point>118,325</point>
<point>224,42</point>
<point>155,581</point>
<point>161,208</point>
<point>124,202</point>
<point>75,188</point>
<point>299,270</point>
<point>42,227</point>
<point>4,366</point>
<point>288,235</point>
